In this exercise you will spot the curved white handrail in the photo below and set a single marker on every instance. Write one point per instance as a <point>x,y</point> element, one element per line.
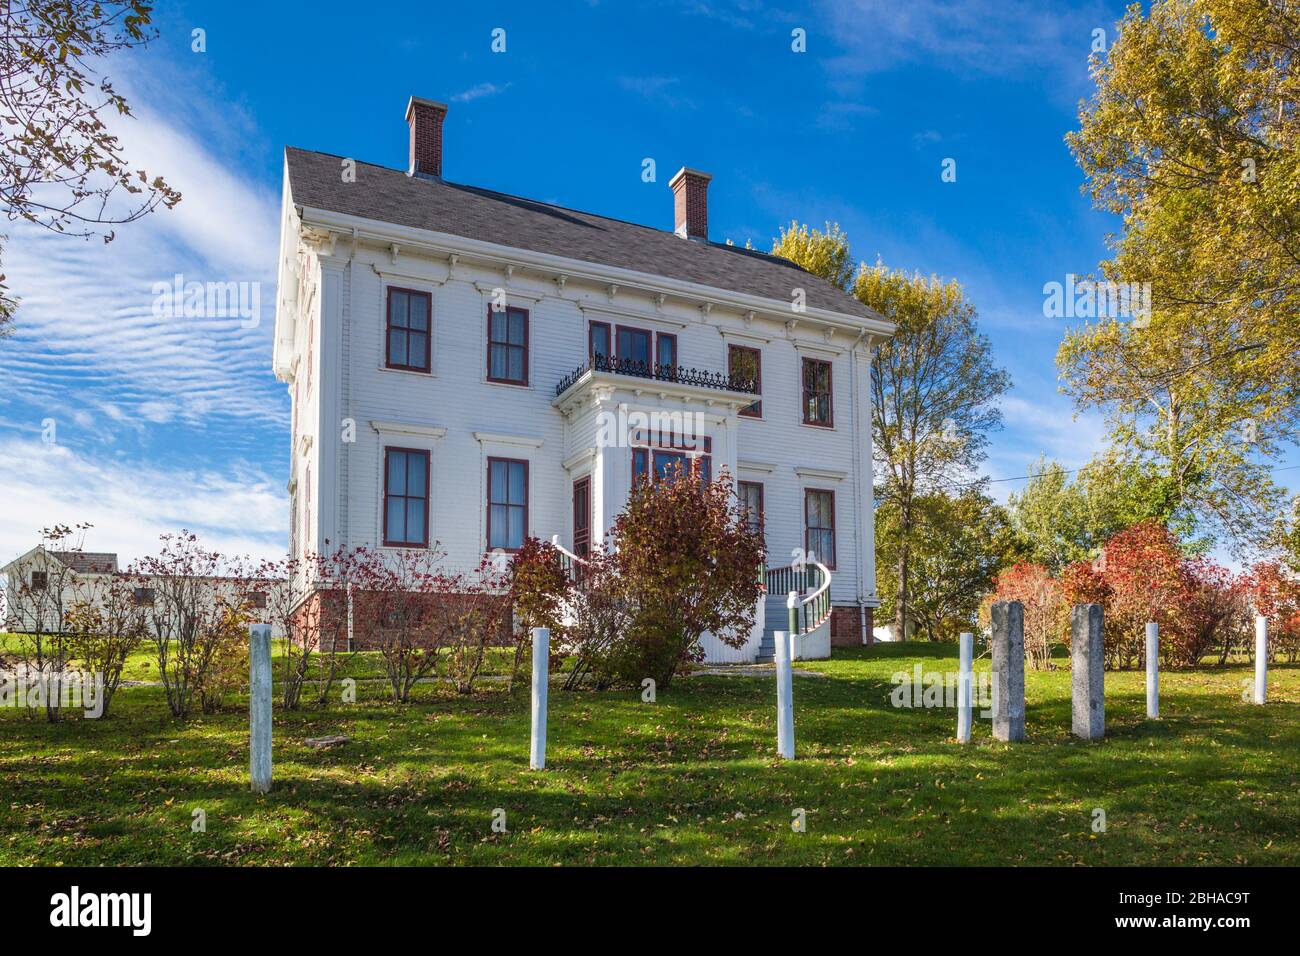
<point>820,590</point>
<point>555,543</point>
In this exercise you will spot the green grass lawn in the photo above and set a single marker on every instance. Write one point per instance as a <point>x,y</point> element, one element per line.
<point>690,779</point>
<point>142,664</point>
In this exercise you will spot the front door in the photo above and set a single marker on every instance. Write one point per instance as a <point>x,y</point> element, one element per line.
<point>582,517</point>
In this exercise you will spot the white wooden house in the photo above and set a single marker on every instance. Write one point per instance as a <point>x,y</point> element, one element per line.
<point>470,368</point>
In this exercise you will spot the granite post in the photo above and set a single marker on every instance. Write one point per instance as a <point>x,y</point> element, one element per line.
<point>259,706</point>
<point>1087,662</point>
<point>1008,670</point>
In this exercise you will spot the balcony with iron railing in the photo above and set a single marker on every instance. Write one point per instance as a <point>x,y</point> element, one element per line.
<point>669,374</point>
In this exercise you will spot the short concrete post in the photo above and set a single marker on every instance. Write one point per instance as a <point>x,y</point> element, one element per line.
<point>1087,663</point>
<point>1008,670</point>
<point>1153,669</point>
<point>541,680</point>
<point>965,644</point>
<point>259,706</point>
<point>784,698</point>
<point>1261,658</point>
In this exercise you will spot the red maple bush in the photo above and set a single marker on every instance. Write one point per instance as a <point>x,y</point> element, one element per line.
<point>1046,613</point>
<point>1275,593</point>
<point>1143,575</point>
<point>684,562</point>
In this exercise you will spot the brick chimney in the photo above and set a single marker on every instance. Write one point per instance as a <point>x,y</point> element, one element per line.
<point>691,204</point>
<point>425,118</point>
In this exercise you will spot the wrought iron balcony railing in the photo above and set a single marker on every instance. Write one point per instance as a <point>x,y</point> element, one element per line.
<point>659,373</point>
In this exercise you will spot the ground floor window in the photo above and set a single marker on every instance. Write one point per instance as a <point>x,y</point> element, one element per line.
<point>669,457</point>
<point>507,504</point>
<point>750,494</point>
<point>819,525</point>
<point>406,498</point>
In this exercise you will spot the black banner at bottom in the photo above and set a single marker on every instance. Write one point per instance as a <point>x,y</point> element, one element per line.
<point>140,906</point>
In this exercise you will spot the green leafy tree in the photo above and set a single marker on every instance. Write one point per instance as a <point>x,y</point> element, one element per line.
<point>1193,139</point>
<point>934,388</point>
<point>60,166</point>
<point>957,545</point>
<point>1061,520</point>
<point>934,402</point>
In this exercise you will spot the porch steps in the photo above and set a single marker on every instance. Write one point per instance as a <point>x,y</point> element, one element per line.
<point>775,618</point>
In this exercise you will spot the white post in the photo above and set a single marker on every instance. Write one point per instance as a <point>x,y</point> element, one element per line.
<point>541,676</point>
<point>1153,669</point>
<point>1261,658</point>
<point>259,706</point>
<point>784,698</point>
<point>966,641</point>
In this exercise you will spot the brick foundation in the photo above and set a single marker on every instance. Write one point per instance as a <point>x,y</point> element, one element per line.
<point>324,614</point>
<point>846,626</point>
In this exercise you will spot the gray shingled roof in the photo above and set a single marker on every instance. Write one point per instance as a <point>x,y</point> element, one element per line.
<point>101,562</point>
<point>389,195</point>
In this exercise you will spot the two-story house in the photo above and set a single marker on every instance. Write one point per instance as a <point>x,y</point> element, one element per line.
<point>471,368</point>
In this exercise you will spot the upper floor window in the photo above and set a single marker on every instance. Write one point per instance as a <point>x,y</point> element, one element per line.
<point>507,359</point>
<point>598,344</point>
<point>257,599</point>
<point>817,408</point>
<point>143,596</point>
<point>651,350</point>
<point>406,498</point>
<point>507,503</point>
<point>750,494</point>
<point>408,330</point>
<point>747,364</point>
<point>40,580</point>
<point>633,345</point>
<point>666,352</point>
<point>819,526</point>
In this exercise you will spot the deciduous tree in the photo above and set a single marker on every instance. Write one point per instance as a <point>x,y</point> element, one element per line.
<point>934,399</point>
<point>61,166</point>
<point>1193,138</point>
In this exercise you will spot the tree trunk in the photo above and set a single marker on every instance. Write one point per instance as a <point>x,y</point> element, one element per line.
<point>900,606</point>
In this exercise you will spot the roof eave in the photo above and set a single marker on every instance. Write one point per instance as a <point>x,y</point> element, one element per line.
<point>365,228</point>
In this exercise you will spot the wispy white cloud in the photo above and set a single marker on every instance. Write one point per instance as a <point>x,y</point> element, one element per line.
<point>155,416</point>
<point>657,89</point>
<point>838,116</point>
<point>238,511</point>
<point>87,332</point>
<point>963,35</point>
<point>480,91</point>
<point>1044,426</point>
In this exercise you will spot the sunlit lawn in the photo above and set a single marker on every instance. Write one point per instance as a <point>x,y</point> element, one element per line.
<point>691,778</point>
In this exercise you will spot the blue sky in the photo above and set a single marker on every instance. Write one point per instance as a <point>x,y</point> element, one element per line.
<point>162,423</point>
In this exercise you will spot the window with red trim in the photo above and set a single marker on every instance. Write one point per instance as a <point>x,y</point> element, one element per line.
<point>407,345</point>
<point>819,526</point>
<point>507,359</point>
<point>750,494</point>
<point>406,497</point>
<point>633,345</point>
<point>507,503</point>
<point>666,352</point>
<point>817,407</point>
<point>746,363</point>
<point>598,342</point>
